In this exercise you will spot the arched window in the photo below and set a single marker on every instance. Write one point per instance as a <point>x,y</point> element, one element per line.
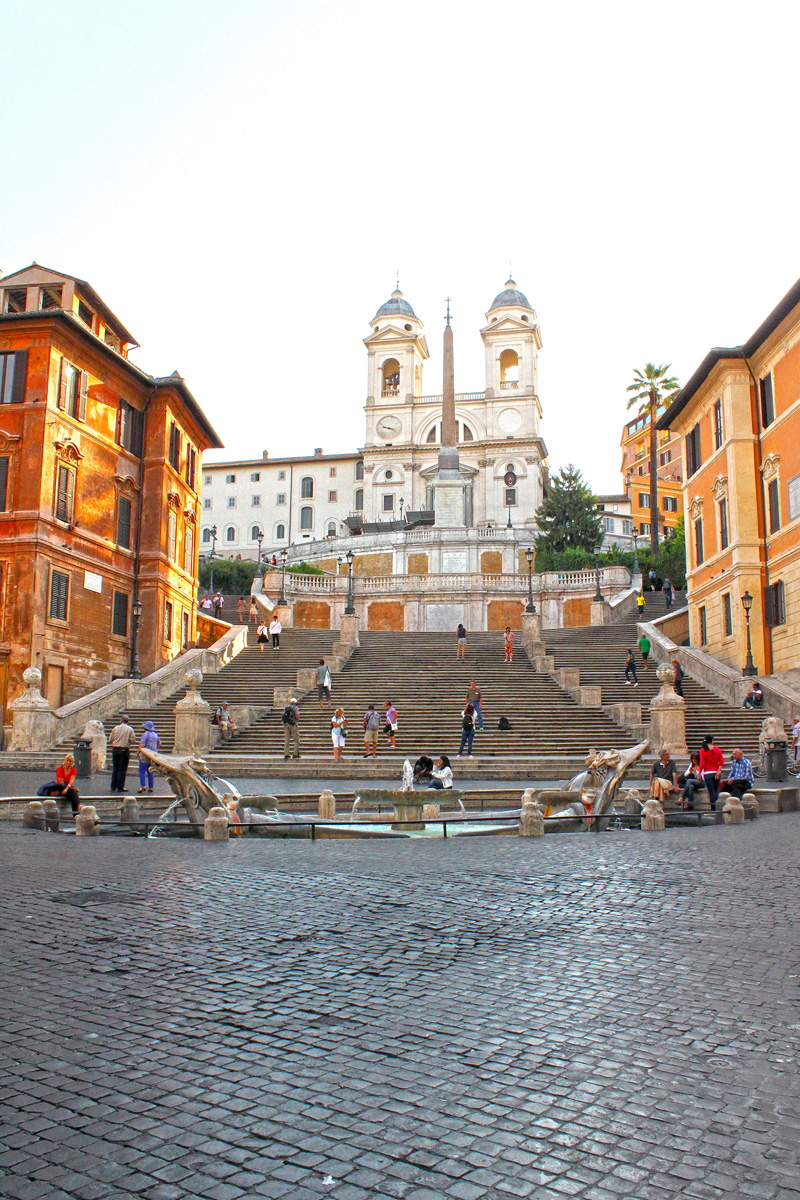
<point>390,374</point>
<point>307,488</point>
<point>432,435</point>
<point>331,529</point>
<point>306,517</point>
<point>230,534</point>
<point>280,533</point>
<point>360,469</point>
<point>359,501</point>
<point>467,434</point>
<point>509,368</point>
<point>206,535</point>
<point>254,532</point>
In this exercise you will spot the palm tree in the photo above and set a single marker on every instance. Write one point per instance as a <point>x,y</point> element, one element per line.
<point>653,389</point>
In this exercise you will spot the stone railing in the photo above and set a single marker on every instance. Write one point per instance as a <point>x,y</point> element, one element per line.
<point>210,630</point>
<point>611,579</point>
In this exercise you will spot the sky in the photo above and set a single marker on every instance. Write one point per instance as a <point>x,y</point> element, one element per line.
<point>241,182</point>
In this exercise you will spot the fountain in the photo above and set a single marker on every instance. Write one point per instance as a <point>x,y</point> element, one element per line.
<point>407,803</point>
<point>597,788</point>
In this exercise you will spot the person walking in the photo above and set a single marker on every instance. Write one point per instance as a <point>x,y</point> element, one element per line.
<point>63,786</point>
<point>475,698</point>
<point>291,736</point>
<point>390,728</point>
<point>223,718</point>
<point>241,610</point>
<point>691,781</point>
<point>254,610</point>
<point>219,604</point>
<point>508,644</point>
<point>263,639</point>
<point>640,605</point>
<point>677,681</point>
<point>630,669</point>
<point>666,588</point>
<point>644,649</point>
<point>148,741</point>
<point>206,604</point>
<point>712,760</point>
<point>442,775</point>
<point>651,575</point>
<point>467,731</point>
<point>740,775</point>
<point>461,641</point>
<point>275,631</point>
<point>372,723</point>
<point>323,677</point>
<point>120,740</point>
<point>338,733</point>
<point>663,778</point>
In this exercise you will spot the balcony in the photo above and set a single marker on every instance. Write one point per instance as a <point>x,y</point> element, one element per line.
<point>390,391</point>
<point>508,384</point>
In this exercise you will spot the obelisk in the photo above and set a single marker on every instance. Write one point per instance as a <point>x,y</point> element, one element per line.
<point>448,486</point>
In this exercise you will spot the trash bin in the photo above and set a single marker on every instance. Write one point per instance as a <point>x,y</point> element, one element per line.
<point>83,757</point>
<point>776,761</point>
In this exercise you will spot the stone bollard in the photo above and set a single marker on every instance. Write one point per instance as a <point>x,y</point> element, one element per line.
<point>86,821</point>
<point>653,816</point>
<point>326,805</point>
<point>33,816</point>
<point>718,813</point>
<point>531,818</point>
<point>129,813</point>
<point>52,819</point>
<point>431,812</point>
<point>751,806</point>
<point>216,827</point>
<point>733,811</point>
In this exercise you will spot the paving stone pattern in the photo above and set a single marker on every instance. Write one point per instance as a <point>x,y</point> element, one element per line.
<point>593,1016</point>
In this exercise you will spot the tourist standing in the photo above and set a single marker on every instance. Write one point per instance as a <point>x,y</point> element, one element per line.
<point>740,775</point>
<point>461,641</point>
<point>223,718</point>
<point>442,775</point>
<point>508,644</point>
<point>390,728</point>
<point>263,639</point>
<point>467,730</point>
<point>275,631</point>
<point>120,740</point>
<point>663,777</point>
<point>372,723</point>
<point>241,609</point>
<point>712,760</point>
<point>630,669</point>
<point>323,677</point>
<point>475,698</point>
<point>148,741</point>
<point>219,604</point>
<point>677,681</point>
<point>640,605</point>
<point>644,649</point>
<point>291,736</point>
<point>338,733</point>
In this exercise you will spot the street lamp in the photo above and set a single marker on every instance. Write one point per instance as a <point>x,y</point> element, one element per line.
<point>212,555</point>
<point>598,595</point>
<point>136,610</point>
<point>350,608</point>
<point>284,556</point>
<point>749,667</point>
<point>259,539</point>
<point>530,607</point>
<point>636,553</point>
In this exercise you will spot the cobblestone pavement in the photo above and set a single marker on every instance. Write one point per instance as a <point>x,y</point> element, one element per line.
<point>594,1016</point>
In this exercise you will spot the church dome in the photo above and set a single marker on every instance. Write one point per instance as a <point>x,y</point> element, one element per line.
<point>510,298</point>
<point>396,306</point>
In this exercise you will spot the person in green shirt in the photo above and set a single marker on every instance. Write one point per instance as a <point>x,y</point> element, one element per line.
<point>644,649</point>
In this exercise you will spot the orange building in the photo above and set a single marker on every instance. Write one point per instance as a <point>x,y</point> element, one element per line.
<point>635,443</point>
<point>739,418</point>
<point>99,509</point>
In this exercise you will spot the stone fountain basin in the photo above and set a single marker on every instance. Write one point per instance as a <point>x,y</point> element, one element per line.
<point>407,806</point>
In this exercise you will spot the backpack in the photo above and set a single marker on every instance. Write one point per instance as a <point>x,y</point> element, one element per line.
<point>504,723</point>
<point>287,716</point>
<point>373,721</point>
<point>467,723</point>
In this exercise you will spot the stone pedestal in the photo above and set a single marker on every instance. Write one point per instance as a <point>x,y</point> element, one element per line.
<point>531,818</point>
<point>532,635</point>
<point>192,719</point>
<point>751,806</point>
<point>653,818</point>
<point>86,821</point>
<point>668,716</point>
<point>306,680</point>
<point>129,813</point>
<point>733,811</point>
<point>33,718</point>
<point>599,613</point>
<point>33,815</point>
<point>284,614</point>
<point>326,805</point>
<point>281,696</point>
<point>52,819</point>
<point>348,630</point>
<point>94,732</point>
<point>216,827</point>
<point>567,677</point>
<point>448,502</point>
<point>590,695</point>
<point>431,812</point>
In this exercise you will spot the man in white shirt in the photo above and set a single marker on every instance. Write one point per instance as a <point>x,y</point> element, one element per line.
<point>275,630</point>
<point>796,735</point>
<point>120,740</point>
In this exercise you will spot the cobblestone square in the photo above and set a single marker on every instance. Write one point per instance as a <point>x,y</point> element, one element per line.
<point>591,1016</point>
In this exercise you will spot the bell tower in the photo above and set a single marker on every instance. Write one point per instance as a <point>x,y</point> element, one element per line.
<point>513,341</point>
<point>396,351</point>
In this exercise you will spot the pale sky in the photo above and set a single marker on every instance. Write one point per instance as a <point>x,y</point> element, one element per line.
<point>241,181</point>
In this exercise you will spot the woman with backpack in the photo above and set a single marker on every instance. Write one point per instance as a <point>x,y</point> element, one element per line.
<point>467,730</point>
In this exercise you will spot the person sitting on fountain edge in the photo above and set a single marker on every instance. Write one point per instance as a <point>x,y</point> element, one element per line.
<point>442,775</point>
<point>423,769</point>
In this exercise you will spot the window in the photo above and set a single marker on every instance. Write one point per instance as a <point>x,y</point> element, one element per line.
<point>280,532</point>
<point>59,596</point>
<point>191,465</point>
<point>723,524</point>
<point>359,500</point>
<point>388,503</point>
<point>175,446</point>
<point>627,526</point>
<point>184,628</point>
<point>670,504</point>
<point>794,497</point>
<point>774,605</point>
<point>332,472</point>
<point>130,428</point>
<point>119,614</point>
<point>206,535</point>
<point>703,628</point>
<point>306,518</point>
<point>727,615</point>
<point>124,513</point>
<point>255,477</point>
<point>13,366</point>
<point>331,529</point>
<point>65,492</point>
<point>718,425</point>
<point>281,475</point>
<point>255,501</point>
<point>693,459</point>
<point>644,527</point>
<point>254,532</point>
<point>664,458</point>
<point>50,297</point>
<point>644,499</point>
<point>511,497</point>
<point>16,299</point>
<point>767,401</point>
<point>230,534</point>
<point>281,498</point>
<point>332,497</point>
<point>4,484</point>
<point>72,389</point>
<point>307,488</point>
<point>608,524</point>
<point>698,541</point>
<point>466,433</point>
<point>207,480</point>
<point>231,502</point>
<point>432,434</point>
<point>188,549</point>
<point>360,469</point>
<point>230,479</point>
<point>207,503</point>
<point>168,621</point>
<point>85,313</point>
<point>172,534</point>
<point>774,506</point>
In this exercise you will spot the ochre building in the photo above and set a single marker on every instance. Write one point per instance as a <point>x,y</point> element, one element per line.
<point>635,444</point>
<point>99,506</point>
<point>739,419</point>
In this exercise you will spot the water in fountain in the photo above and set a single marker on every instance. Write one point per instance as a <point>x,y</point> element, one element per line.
<point>165,818</point>
<point>408,777</point>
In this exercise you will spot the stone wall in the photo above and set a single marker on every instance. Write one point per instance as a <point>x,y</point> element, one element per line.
<point>492,562</point>
<point>577,611</point>
<point>418,564</point>
<point>373,564</point>
<point>386,615</point>
<point>501,613</point>
<point>311,614</point>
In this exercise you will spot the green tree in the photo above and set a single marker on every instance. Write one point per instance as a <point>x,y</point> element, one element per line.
<point>568,518</point>
<point>653,389</point>
<point>671,558</point>
<point>233,577</point>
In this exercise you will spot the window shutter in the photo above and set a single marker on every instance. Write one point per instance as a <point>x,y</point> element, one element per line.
<point>3,484</point>
<point>62,384</point>
<point>769,606</point>
<point>61,493</point>
<point>124,523</point>
<point>120,615</point>
<point>83,382</point>
<point>20,373</point>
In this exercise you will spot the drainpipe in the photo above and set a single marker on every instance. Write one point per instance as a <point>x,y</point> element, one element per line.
<point>291,496</point>
<point>764,508</point>
<point>138,539</point>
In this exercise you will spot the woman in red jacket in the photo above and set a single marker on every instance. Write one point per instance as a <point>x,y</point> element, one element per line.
<point>712,760</point>
<point>63,787</point>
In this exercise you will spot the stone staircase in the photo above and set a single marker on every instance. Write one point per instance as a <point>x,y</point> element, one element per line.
<point>599,654</point>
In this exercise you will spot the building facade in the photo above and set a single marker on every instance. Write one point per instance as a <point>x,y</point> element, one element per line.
<point>99,506</point>
<point>739,420</point>
<point>635,444</point>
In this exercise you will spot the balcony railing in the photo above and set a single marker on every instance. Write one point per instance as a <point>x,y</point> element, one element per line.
<point>509,383</point>
<point>390,391</point>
